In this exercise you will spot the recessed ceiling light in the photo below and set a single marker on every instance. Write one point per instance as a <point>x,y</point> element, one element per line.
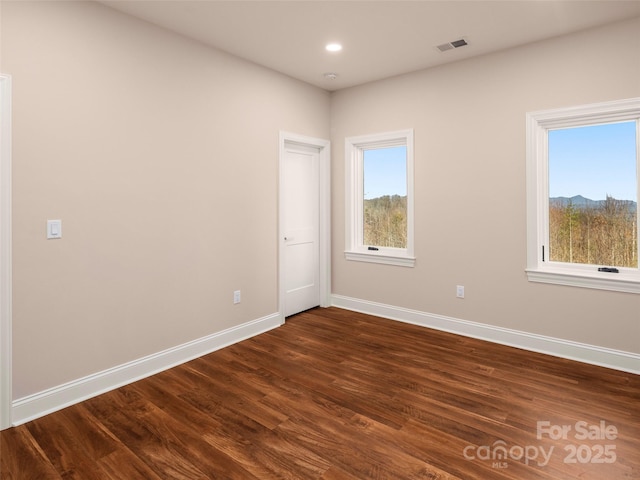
<point>333,47</point>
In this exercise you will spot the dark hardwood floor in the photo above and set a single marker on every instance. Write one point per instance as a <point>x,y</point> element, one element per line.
<point>340,395</point>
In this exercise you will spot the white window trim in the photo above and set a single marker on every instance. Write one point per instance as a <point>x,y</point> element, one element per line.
<point>355,249</point>
<point>538,125</point>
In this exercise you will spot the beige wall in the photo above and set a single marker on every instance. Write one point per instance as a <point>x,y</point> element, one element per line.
<point>469,126</point>
<point>161,157</point>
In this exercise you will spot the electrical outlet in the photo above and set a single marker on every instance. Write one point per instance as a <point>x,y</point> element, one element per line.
<point>236,297</point>
<point>460,291</point>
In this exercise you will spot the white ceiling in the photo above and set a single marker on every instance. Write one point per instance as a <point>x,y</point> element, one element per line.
<point>380,38</point>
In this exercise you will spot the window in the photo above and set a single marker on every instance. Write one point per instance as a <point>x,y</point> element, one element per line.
<point>379,197</point>
<point>583,169</point>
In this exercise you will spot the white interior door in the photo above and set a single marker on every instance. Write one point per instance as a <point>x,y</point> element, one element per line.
<point>300,210</point>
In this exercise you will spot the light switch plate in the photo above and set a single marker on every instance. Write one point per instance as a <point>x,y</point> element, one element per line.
<point>54,229</point>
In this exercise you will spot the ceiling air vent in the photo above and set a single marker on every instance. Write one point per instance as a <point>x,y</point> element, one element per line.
<point>451,45</point>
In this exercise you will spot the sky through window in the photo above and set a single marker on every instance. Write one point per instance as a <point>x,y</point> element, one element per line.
<point>594,161</point>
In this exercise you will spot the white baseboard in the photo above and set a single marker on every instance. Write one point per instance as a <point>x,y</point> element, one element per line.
<point>57,398</point>
<point>592,354</point>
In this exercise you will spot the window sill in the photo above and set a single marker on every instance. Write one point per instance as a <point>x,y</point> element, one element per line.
<point>602,281</point>
<point>376,257</point>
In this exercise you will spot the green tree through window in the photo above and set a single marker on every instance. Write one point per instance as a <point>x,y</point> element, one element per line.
<point>593,195</point>
<point>385,197</point>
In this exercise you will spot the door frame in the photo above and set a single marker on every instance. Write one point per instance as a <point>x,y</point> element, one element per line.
<point>324,230</point>
<point>6,398</point>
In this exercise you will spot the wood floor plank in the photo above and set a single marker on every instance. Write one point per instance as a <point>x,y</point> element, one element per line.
<point>336,473</point>
<point>130,424</point>
<point>123,464</point>
<point>21,458</point>
<point>331,436</point>
<point>57,435</point>
<point>242,395</point>
<point>232,430</point>
<point>339,395</point>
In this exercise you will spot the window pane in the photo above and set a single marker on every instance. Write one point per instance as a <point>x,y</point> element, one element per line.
<point>593,197</point>
<point>385,197</point>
